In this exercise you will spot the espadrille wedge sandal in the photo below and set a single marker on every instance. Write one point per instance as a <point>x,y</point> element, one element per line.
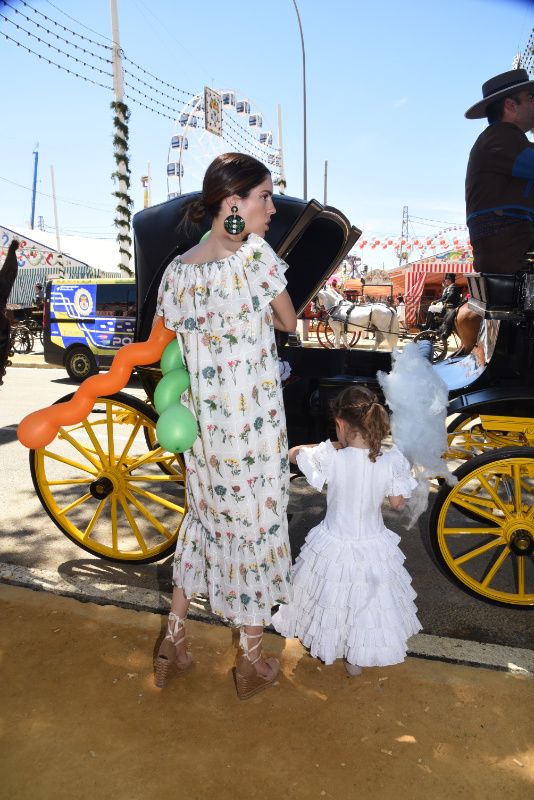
<point>167,657</point>
<point>248,682</point>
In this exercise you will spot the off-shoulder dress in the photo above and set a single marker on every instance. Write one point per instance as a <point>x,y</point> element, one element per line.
<point>233,544</point>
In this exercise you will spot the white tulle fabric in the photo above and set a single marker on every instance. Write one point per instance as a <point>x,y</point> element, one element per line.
<point>353,597</point>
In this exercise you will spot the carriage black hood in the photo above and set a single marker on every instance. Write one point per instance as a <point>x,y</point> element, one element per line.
<point>312,238</point>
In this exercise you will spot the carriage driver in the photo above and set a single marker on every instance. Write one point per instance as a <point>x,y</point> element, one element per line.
<point>446,306</point>
<point>499,181</point>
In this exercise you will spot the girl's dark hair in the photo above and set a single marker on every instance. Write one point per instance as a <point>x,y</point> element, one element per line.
<point>229,173</point>
<point>360,409</point>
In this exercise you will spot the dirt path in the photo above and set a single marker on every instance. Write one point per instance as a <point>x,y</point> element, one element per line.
<point>82,719</point>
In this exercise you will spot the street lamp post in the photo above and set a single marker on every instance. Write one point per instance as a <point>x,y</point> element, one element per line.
<point>305,181</point>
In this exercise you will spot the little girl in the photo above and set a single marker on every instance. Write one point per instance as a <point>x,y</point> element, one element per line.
<point>353,598</point>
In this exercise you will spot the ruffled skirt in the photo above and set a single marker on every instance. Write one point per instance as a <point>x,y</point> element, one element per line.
<point>351,599</point>
<point>243,578</point>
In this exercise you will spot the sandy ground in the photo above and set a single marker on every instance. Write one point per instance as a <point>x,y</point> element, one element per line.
<point>82,719</point>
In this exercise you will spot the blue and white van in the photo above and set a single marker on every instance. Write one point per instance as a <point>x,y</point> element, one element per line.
<point>86,321</point>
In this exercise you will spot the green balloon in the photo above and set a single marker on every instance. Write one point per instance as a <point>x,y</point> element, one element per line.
<point>172,357</point>
<point>170,388</point>
<point>176,429</point>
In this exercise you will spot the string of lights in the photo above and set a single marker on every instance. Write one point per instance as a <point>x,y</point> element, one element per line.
<point>58,49</point>
<point>237,136</point>
<point>60,66</point>
<point>159,80</point>
<point>53,21</point>
<point>61,38</point>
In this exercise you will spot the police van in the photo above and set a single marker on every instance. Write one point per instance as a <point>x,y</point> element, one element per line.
<point>86,321</point>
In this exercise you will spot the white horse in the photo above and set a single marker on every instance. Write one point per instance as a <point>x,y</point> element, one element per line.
<point>375,317</point>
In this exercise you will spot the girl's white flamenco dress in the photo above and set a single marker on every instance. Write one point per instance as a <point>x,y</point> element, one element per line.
<point>353,597</point>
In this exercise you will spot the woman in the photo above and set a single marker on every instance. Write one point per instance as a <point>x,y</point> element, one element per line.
<point>224,297</point>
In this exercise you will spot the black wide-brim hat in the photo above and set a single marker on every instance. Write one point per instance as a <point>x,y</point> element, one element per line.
<point>502,85</point>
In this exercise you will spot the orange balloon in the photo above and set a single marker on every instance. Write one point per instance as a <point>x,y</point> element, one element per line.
<point>41,427</point>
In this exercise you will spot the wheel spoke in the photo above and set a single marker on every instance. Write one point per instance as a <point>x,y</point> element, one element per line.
<point>68,462</point>
<point>495,568</point>
<point>114,526</point>
<point>96,444</point>
<point>516,477</point>
<point>162,501</point>
<point>133,525</point>
<point>490,490</point>
<point>520,575</point>
<point>150,517</point>
<point>474,506</point>
<point>63,511</point>
<point>157,478</point>
<point>488,531</point>
<point>478,551</point>
<point>129,443</point>
<point>71,482</point>
<point>83,451</point>
<point>150,458</point>
<point>94,519</point>
<point>109,427</point>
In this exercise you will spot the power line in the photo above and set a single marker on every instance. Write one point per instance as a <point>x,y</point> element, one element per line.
<point>62,200</point>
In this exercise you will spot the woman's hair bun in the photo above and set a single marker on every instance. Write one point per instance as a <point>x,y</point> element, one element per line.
<point>196,211</point>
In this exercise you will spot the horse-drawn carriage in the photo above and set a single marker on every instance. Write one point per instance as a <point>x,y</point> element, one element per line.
<point>110,487</point>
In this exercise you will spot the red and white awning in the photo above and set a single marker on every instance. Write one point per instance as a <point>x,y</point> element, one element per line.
<point>415,275</point>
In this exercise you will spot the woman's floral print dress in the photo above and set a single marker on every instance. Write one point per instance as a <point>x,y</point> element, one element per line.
<point>233,544</point>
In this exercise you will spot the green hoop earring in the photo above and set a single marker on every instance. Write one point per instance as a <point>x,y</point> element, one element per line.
<point>235,223</point>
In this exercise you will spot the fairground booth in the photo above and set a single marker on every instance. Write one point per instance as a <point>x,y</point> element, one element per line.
<point>420,283</point>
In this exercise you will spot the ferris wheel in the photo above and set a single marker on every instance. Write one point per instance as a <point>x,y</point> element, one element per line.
<point>192,148</point>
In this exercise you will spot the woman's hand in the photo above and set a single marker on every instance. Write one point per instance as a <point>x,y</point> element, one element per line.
<point>284,317</point>
<point>397,502</point>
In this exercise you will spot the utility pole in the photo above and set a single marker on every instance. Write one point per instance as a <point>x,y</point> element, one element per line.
<point>282,180</point>
<point>146,182</point>
<point>121,147</point>
<point>305,177</point>
<point>325,179</point>
<point>58,242</point>
<point>403,254</point>
<point>34,185</point>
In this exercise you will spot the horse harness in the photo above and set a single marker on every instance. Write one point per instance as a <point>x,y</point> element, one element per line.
<point>340,315</point>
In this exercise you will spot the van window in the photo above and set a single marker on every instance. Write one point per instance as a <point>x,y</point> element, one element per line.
<point>115,300</point>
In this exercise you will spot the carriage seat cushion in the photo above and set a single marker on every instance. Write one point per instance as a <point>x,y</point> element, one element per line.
<point>495,295</point>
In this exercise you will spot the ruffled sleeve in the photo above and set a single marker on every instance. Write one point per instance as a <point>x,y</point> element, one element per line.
<point>221,295</point>
<point>164,289</point>
<point>316,463</point>
<point>264,272</point>
<point>401,481</point>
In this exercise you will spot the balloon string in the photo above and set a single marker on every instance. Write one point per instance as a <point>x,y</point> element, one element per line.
<point>41,427</point>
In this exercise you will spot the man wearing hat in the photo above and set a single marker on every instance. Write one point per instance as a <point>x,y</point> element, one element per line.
<point>449,301</point>
<point>499,184</point>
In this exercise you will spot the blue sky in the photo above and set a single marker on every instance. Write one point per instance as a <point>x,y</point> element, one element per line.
<point>387,86</point>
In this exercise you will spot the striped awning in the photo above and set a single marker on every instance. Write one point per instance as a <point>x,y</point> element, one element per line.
<point>415,281</point>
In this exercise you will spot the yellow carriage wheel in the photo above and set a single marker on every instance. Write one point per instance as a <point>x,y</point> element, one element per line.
<point>467,437</point>
<point>108,490</point>
<point>482,529</point>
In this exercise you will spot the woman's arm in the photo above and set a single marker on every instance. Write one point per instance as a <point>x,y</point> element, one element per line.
<point>284,317</point>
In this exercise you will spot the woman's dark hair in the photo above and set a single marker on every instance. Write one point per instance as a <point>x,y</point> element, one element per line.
<point>229,173</point>
<point>360,409</point>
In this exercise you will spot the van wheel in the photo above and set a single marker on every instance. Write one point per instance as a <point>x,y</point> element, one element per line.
<point>80,363</point>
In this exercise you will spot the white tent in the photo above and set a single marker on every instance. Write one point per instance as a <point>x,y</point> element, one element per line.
<point>39,249</point>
